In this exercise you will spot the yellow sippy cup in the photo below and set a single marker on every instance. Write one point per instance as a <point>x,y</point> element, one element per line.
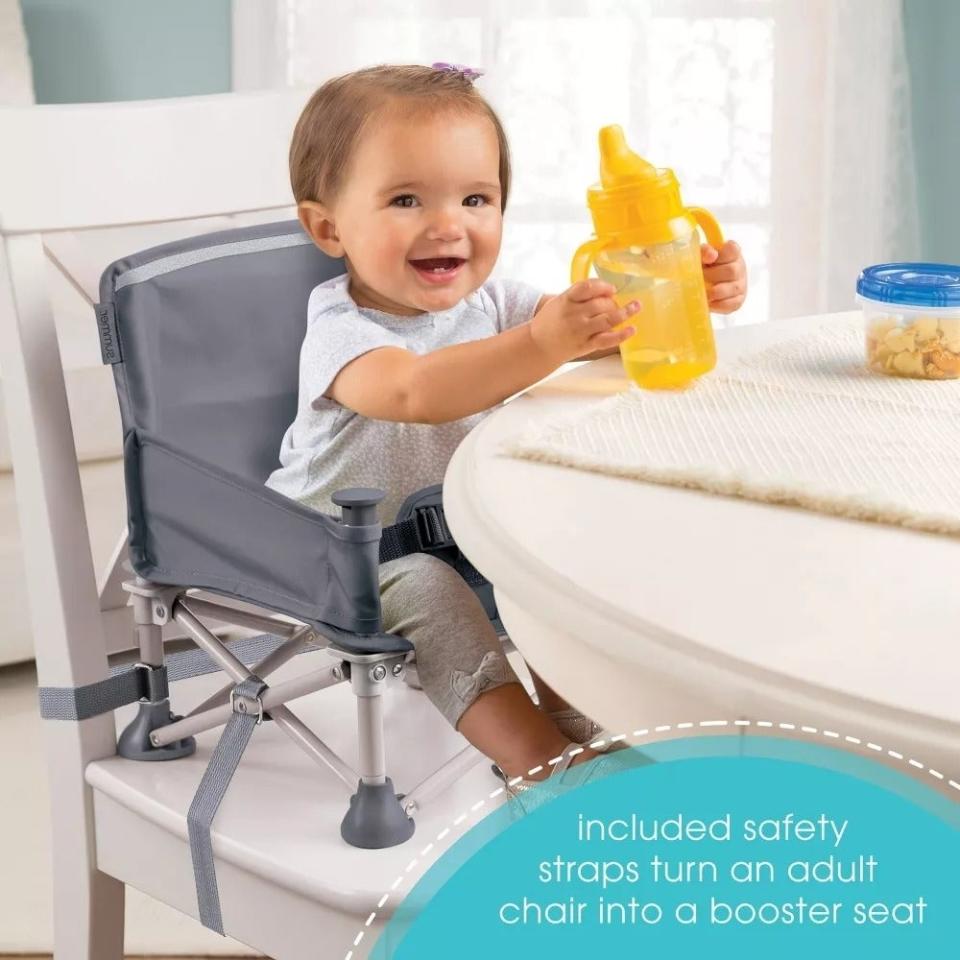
<point>647,246</point>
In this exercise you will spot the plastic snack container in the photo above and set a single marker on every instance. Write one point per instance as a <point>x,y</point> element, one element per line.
<point>912,319</point>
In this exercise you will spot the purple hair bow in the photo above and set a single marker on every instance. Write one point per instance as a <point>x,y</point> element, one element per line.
<point>471,73</point>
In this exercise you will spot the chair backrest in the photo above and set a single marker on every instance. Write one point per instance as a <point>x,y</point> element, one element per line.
<point>209,332</point>
<point>77,166</point>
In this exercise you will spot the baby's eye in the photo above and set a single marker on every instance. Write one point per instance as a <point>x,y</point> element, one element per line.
<point>403,200</point>
<point>475,197</point>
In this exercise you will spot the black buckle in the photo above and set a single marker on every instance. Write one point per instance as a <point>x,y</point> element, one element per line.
<point>432,530</point>
<point>152,681</point>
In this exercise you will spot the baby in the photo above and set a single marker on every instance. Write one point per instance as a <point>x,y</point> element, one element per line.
<point>404,172</point>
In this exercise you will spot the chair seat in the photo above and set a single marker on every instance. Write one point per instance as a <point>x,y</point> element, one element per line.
<point>276,836</point>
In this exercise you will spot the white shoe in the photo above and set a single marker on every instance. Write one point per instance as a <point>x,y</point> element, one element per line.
<point>516,786</point>
<point>526,795</point>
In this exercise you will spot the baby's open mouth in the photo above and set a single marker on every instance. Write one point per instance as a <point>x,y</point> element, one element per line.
<point>438,266</point>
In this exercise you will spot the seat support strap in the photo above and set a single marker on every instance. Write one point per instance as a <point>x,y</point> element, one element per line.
<point>139,682</point>
<point>247,714</point>
<point>127,684</point>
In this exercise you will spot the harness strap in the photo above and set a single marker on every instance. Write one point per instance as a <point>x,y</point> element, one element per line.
<point>213,785</point>
<point>426,531</point>
<point>399,540</point>
<point>469,572</point>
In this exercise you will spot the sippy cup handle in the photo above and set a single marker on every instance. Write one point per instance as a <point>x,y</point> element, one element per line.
<point>708,224</point>
<point>583,258</point>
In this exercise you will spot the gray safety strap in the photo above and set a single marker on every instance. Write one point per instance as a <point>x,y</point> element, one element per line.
<point>79,703</point>
<point>226,755</point>
<point>128,683</point>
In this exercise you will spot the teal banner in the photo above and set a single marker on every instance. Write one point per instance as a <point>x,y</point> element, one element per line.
<point>722,847</point>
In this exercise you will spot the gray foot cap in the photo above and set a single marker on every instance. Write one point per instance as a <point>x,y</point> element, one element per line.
<point>134,742</point>
<point>376,818</point>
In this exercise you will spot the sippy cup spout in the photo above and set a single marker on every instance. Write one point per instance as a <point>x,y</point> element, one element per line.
<point>618,163</point>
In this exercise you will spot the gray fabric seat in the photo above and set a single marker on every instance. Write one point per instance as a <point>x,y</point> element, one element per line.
<point>204,337</point>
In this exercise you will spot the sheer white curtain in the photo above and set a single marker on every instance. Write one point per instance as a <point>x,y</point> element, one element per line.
<point>788,118</point>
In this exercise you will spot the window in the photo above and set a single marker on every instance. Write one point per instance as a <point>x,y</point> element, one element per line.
<point>786,119</point>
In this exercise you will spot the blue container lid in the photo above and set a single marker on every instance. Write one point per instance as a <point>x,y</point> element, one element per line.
<point>912,284</point>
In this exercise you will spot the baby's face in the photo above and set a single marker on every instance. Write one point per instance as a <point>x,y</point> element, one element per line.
<point>419,213</point>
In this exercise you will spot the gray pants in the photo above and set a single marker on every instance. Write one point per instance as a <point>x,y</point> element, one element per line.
<point>458,652</point>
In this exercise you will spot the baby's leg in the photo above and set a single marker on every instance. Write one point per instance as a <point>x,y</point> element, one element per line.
<point>461,665</point>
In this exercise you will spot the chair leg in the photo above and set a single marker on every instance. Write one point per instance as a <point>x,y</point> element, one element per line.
<point>87,904</point>
<point>88,923</point>
<point>376,817</point>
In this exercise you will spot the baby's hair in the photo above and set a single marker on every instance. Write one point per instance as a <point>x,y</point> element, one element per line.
<point>335,116</point>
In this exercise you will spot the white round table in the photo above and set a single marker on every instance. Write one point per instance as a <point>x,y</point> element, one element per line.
<point>651,606</point>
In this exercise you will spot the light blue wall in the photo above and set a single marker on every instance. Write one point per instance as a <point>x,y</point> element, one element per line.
<point>933,50</point>
<point>88,50</point>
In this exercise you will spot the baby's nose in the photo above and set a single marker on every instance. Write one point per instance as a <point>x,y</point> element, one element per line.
<point>445,225</point>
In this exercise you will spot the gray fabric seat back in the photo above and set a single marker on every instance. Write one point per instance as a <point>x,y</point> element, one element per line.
<point>204,338</point>
<point>210,340</point>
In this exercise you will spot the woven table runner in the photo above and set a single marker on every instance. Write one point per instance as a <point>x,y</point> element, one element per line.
<point>803,423</point>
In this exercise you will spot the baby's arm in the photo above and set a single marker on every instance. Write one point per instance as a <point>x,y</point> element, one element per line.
<point>395,384</point>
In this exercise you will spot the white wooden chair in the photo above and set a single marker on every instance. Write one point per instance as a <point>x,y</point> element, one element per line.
<point>288,883</point>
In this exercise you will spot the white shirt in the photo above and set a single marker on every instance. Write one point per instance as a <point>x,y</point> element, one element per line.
<point>329,447</point>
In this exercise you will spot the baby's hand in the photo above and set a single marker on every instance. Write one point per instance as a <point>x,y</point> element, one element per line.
<point>581,320</point>
<point>725,274</point>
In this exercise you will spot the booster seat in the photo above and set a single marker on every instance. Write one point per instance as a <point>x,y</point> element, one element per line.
<point>204,338</point>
